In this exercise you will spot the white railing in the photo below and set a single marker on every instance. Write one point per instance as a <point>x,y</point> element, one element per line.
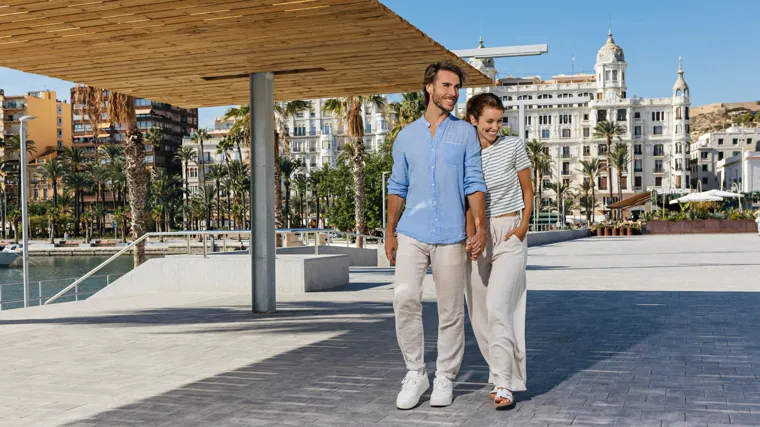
<point>304,232</point>
<point>40,287</point>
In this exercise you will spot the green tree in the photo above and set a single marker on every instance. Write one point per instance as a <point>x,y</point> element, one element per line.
<point>411,108</point>
<point>349,111</point>
<point>53,171</point>
<point>185,155</point>
<point>609,131</point>
<point>590,170</point>
<point>619,158</point>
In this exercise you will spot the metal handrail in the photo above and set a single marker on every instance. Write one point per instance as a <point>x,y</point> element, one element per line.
<point>40,297</point>
<point>203,233</point>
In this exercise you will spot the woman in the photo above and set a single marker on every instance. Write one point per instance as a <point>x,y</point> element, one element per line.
<point>757,220</point>
<point>496,292</point>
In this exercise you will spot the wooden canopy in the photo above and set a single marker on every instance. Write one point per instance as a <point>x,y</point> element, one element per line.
<point>199,53</point>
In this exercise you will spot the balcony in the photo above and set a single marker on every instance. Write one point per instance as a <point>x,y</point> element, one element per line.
<point>658,170</point>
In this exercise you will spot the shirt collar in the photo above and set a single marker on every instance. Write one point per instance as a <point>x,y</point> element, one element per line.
<point>427,123</point>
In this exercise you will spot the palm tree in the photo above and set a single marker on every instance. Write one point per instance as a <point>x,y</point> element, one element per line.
<point>619,158</point>
<point>349,111</point>
<point>586,201</point>
<point>590,169</point>
<point>537,154</point>
<point>217,172</point>
<point>13,145</point>
<point>121,110</point>
<point>224,147</point>
<point>199,137</point>
<point>315,178</point>
<point>561,190</point>
<point>288,168</point>
<point>609,131</point>
<point>185,155</point>
<point>53,171</point>
<point>302,184</point>
<point>411,108</point>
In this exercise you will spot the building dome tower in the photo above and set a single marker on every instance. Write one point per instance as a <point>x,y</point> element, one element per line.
<point>681,130</point>
<point>486,66</point>
<point>610,71</point>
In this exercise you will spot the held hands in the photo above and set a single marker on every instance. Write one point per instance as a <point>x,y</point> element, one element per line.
<point>391,248</point>
<point>519,232</point>
<point>476,244</point>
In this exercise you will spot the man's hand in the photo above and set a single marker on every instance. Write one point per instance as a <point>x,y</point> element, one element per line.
<point>519,232</point>
<point>476,244</point>
<point>391,247</point>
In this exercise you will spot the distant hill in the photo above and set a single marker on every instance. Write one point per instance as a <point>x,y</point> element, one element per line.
<point>716,117</point>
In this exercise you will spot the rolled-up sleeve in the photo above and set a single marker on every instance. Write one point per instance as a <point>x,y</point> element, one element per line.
<point>473,169</point>
<point>398,183</point>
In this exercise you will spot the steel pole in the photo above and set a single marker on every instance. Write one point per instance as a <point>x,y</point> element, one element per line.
<point>24,210</point>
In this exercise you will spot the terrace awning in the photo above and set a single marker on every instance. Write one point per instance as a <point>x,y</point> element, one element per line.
<point>200,53</point>
<point>639,199</point>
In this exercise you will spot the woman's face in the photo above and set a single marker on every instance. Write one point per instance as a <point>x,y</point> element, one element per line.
<point>488,124</point>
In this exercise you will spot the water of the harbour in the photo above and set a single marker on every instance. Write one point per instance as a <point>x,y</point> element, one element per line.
<point>55,273</point>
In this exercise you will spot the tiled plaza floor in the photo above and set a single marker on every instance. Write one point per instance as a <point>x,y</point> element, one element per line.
<point>598,352</point>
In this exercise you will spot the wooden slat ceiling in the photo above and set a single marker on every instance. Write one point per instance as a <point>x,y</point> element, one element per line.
<point>198,53</point>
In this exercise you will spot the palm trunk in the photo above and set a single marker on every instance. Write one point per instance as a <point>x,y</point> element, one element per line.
<point>593,203</point>
<point>609,170</point>
<point>184,201</point>
<point>287,204</point>
<point>358,161</point>
<point>316,196</point>
<point>51,226</point>
<point>55,194</point>
<point>137,183</point>
<point>278,216</point>
<point>219,222</point>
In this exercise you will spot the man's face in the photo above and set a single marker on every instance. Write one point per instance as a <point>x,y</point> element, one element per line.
<point>444,91</point>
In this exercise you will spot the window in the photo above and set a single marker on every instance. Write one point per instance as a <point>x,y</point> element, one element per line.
<point>60,133</point>
<point>679,164</point>
<point>148,147</point>
<point>528,120</point>
<point>585,117</point>
<point>735,141</point>
<point>678,129</point>
<point>614,75</point>
<point>658,166</point>
<point>586,150</point>
<point>601,149</point>
<point>637,181</point>
<point>686,113</point>
<point>44,194</point>
<point>565,119</point>
<point>566,152</point>
<point>678,113</point>
<point>637,149</point>
<point>637,165</point>
<point>566,182</point>
<point>720,155</point>
<point>736,153</point>
<point>312,114</point>
<point>586,132</point>
<point>658,116</point>
<point>704,155</point>
<point>637,131</point>
<point>658,130</point>
<point>622,114</point>
<point>546,183</point>
<point>704,168</point>
<point>704,180</point>
<point>313,130</point>
<point>720,141</point>
<point>749,141</point>
<point>60,121</point>
<point>637,115</point>
<point>36,193</point>
<point>658,181</point>
<point>566,133</point>
<point>659,150</point>
<point>545,120</point>
<point>544,133</point>
<point>601,115</point>
<point>602,182</point>
<point>679,148</point>
<point>624,182</point>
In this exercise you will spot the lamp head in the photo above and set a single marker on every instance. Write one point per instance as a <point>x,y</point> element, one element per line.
<point>25,118</point>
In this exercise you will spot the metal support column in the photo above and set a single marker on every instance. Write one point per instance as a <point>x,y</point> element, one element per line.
<point>262,193</point>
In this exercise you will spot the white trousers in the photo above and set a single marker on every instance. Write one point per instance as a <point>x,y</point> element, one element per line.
<point>449,273</point>
<point>496,299</point>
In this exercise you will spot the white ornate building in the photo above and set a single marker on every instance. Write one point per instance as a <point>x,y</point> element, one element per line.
<point>712,148</point>
<point>317,137</point>
<point>563,112</point>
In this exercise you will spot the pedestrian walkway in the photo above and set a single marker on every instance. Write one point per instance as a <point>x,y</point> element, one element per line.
<point>598,353</point>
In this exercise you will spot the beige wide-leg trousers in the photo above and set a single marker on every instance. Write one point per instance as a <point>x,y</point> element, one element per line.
<point>449,274</point>
<point>496,299</point>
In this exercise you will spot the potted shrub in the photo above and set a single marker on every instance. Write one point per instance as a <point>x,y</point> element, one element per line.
<point>615,230</point>
<point>598,230</point>
<point>607,230</point>
<point>629,230</point>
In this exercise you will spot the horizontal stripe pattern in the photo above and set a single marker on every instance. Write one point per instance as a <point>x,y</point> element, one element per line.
<point>501,162</point>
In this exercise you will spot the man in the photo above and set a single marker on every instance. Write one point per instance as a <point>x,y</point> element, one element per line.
<point>436,165</point>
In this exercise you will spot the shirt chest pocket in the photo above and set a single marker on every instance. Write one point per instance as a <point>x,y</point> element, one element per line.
<point>452,153</point>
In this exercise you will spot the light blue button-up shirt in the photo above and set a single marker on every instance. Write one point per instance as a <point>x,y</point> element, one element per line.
<point>435,175</point>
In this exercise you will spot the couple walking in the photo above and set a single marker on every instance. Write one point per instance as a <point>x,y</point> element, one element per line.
<point>461,188</point>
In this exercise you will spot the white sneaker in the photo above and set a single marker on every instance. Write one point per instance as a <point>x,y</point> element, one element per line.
<point>443,392</point>
<point>413,387</point>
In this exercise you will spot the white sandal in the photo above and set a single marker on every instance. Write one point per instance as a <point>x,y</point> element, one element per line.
<point>505,397</point>
<point>493,392</point>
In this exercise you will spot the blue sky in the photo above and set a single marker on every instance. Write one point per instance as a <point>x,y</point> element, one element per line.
<point>716,39</point>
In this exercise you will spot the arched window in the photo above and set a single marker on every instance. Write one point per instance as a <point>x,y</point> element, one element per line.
<point>686,92</point>
<point>678,92</point>
<point>678,112</point>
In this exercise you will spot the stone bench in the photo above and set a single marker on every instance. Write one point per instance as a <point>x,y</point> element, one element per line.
<point>311,273</point>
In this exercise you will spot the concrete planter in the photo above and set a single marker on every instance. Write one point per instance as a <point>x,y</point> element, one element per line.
<point>607,231</point>
<point>702,226</point>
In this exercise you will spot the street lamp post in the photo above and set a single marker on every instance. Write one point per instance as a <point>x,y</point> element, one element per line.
<point>24,213</point>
